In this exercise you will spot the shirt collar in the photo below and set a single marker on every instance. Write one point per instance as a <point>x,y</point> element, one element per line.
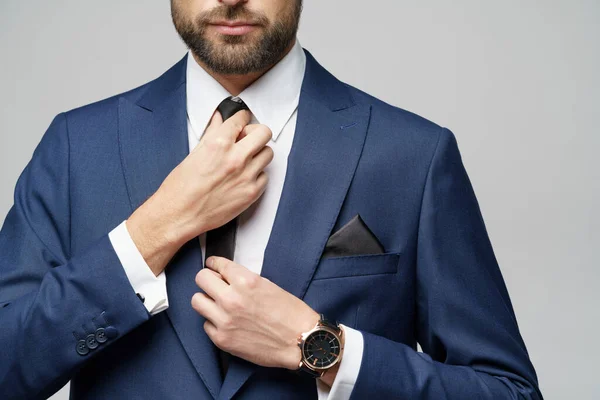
<point>272,98</point>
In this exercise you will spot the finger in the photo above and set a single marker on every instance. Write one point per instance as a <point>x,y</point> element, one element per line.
<point>257,136</point>
<point>233,126</point>
<point>261,182</point>
<point>220,265</point>
<point>212,283</point>
<point>211,331</point>
<point>260,161</point>
<point>247,130</point>
<point>244,132</point>
<point>231,272</point>
<point>207,307</point>
<point>214,124</point>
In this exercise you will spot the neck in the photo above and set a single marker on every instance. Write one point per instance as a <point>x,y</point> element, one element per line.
<point>234,83</point>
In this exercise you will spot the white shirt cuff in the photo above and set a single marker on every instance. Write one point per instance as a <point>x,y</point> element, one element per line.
<point>153,289</point>
<point>344,381</point>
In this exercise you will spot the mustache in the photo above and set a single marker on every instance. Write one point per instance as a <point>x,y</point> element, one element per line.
<point>238,12</point>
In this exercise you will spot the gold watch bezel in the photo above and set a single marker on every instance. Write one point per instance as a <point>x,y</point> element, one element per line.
<point>302,340</point>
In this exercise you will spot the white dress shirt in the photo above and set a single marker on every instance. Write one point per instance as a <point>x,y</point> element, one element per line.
<point>273,101</point>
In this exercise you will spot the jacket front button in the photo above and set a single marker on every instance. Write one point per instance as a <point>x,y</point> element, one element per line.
<point>91,342</point>
<point>82,348</point>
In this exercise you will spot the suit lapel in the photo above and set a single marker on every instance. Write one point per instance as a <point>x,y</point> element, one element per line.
<point>153,141</point>
<point>329,137</point>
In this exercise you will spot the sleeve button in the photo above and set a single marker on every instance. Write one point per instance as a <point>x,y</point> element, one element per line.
<point>101,335</point>
<point>82,348</point>
<point>91,342</point>
<point>111,332</point>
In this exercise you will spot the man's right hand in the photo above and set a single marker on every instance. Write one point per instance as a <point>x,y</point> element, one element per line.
<point>221,177</point>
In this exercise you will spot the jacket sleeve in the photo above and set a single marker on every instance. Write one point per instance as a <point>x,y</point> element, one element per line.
<point>472,348</point>
<point>57,310</point>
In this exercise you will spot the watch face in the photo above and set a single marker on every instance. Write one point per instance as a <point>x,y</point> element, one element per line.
<point>321,349</point>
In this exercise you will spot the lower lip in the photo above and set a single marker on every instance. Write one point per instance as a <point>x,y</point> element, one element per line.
<point>234,30</point>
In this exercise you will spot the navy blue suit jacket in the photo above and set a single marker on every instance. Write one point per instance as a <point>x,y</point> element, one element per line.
<point>437,283</point>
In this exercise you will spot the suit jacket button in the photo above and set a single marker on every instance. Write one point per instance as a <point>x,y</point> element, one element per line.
<point>91,342</point>
<point>82,348</point>
<point>101,335</point>
<point>111,332</point>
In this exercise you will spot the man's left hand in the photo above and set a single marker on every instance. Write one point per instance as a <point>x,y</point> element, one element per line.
<point>249,316</point>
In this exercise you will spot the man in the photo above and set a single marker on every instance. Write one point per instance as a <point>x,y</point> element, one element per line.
<point>247,226</point>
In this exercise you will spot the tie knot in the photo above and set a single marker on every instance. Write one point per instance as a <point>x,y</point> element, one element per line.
<point>230,106</point>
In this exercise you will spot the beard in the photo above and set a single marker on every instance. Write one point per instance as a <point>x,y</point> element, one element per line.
<point>238,54</point>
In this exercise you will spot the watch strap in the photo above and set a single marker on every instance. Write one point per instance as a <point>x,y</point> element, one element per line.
<point>323,321</point>
<point>304,370</point>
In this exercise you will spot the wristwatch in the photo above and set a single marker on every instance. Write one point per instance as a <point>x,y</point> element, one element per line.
<point>321,348</point>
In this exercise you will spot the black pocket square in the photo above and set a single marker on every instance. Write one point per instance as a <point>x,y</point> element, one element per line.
<point>354,238</point>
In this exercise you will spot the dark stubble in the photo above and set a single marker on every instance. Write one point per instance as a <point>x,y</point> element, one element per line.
<point>241,54</point>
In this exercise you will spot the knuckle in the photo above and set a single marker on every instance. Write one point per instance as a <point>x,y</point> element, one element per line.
<point>221,264</point>
<point>233,303</point>
<point>270,151</point>
<point>249,281</point>
<point>248,129</point>
<point>237,126</point>
<point>236,163</point>
<point>251,192</point>
<point>242,282</point>
<point>226,303</point>
<point>218,142</point>
<point>260,184</point>
<point>219,338</point>
<point>216,262</point>
<point>245,115</point>
<point>214,334</point>
<point>268,132</point>
<point>227,323</point>
<point>252,281</point>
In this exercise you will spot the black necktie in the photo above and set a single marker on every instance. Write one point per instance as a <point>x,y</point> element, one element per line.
<point>221,241</point>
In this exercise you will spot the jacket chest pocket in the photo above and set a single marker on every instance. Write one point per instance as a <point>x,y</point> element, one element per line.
<point>346,287</point>
<point>361,265</point>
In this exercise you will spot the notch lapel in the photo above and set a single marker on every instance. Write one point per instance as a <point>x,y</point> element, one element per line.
<point>329,138</point>
<point>153,140</point>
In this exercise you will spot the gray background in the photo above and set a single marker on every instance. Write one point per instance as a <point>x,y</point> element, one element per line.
<point>516,81</point>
